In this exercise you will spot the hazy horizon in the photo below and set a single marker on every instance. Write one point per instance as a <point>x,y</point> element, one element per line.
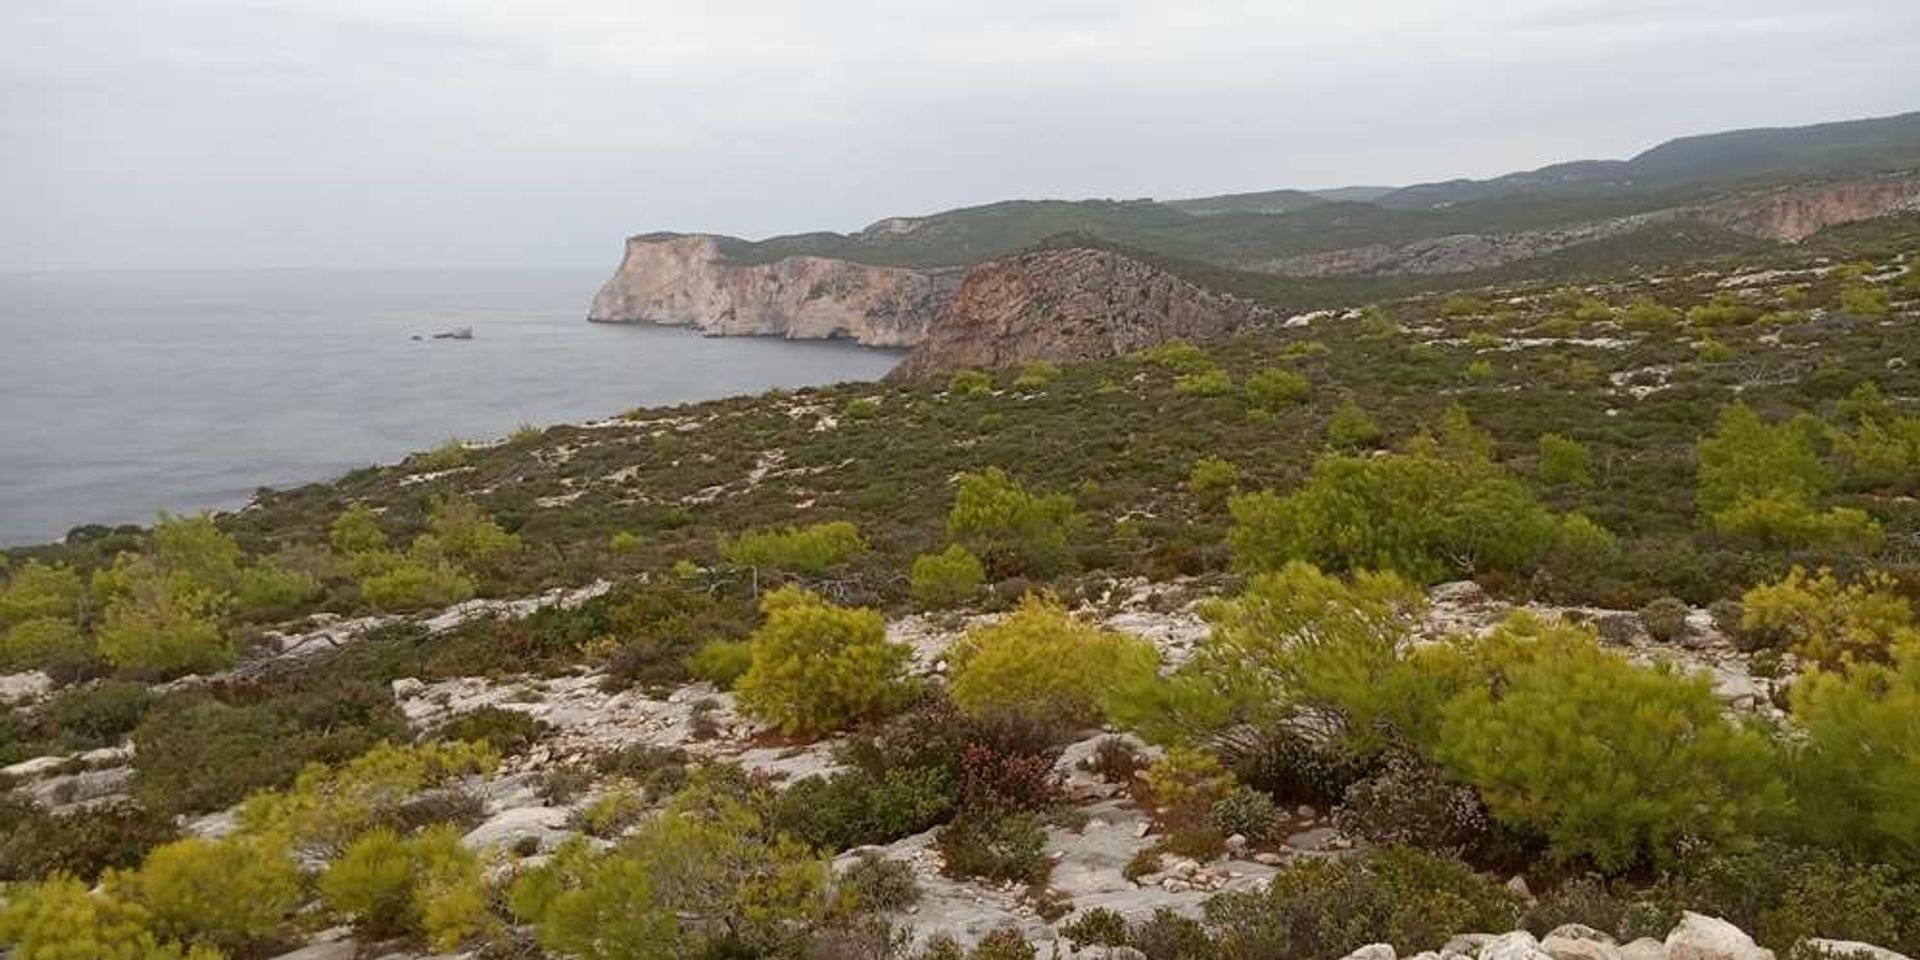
<point>263,134</point>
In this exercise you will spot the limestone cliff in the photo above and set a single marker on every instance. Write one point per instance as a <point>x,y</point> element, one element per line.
<point>1069,305</point>
<point>689,281</point>
<point>1792,214</point>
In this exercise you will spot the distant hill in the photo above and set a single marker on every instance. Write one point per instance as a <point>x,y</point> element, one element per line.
<point>1518,215</point>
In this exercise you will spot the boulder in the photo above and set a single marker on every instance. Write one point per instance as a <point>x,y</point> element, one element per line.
<point>1466,945</point>
<point>1645,948</point>
<point>508,828</point>
<point>1373,951</point>
<point>22,687</point>
<point>1518,945</point>
<point>1579,948</point>
<point>1700,937</point>
<point>1850,948</point>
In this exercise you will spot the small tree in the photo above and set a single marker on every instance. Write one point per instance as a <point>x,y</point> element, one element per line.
<point>817,667</point>
<point>226,893</point>
<point>1010,529</point>
<point>357,531</point>
<point>427,885</point>
<point>163,624</point>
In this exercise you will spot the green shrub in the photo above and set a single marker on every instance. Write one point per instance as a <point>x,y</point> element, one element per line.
<point>1276,388</point>
<point>97,714</point>
<point>427,885</point>
<point>705,878</point>
<point>1205,383</point>
<point>59,919</point>
<point>878,884</point>
<point>204,755</point>
<point>1831,624</point>
<point>1665,619</point>
<point>1009,849</point>
<point>36,591</point>
<point>1865,301</point>
<point>1479,371</point>
<point>721,662</point>
<point>415,584</point>
<point>1012,530</point>
<point>1212,480</point>
<point>858,808</point>
<point>625,541</point>
<point>1036,374</point>
<point>53,644</point>
<point>226,893</point>
<point>971,383</point>
<point>1463,305</point>
<point>1351,427</point>
<point>817,667</point>
<point>357,531</point>
<point>1409,802</point>
<point>861,408</point>
<point>163,624</point>
<point>1183,786</point>
<point>1785,521</point>
<point>1043,662</point>
<point>814,549</point>
<point>459,532</point>
<point>265,590</point>
<point>1176,355</point>
<point>1243,811</point>
<point>1331,907</point>
<point>447,456</point>
<point>1570,740</point>
<point>1428,513</point>
<point>1724,310</point>
<point>326,808</point>
<point>1648,313</point>
<point>948,577</point>
<point>36,843</point>
<point>1564,460</point>
<point>1855,774</point>
<point>508,732</point>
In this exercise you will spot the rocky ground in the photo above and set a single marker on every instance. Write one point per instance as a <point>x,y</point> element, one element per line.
<point>1089,856</point>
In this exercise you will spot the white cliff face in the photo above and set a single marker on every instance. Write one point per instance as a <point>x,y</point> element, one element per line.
<point>689,281</point>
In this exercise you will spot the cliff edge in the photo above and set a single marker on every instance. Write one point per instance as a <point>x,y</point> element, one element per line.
<point>1067,305</point>
<point>689,281</point>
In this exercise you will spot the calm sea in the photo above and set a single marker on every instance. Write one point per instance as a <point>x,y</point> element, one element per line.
<point>126,393</point>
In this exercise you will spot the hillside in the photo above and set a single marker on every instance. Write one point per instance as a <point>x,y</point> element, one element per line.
<point>1490,624</point>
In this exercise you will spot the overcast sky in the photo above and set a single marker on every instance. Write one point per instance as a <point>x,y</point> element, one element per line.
<point>216,133</point>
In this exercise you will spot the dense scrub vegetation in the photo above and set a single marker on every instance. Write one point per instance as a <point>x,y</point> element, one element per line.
<point>1560,446</point>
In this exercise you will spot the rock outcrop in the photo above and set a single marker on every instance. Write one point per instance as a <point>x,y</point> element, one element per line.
<point>1071,304</point>
<point>1792,214</point>
<point>690,281</point>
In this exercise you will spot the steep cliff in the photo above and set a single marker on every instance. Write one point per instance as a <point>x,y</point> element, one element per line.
<point>689,281</point>
<point>1068,305</point>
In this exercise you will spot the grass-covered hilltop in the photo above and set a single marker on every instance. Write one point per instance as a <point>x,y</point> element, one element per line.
<point>1549,619</point>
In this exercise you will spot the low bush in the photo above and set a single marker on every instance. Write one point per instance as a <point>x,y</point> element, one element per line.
<point>815,549</point>
<point>1564,460</point>
<point>1007,849</point>
<point>1043,662</point>
<point>1408,802</point>
<point>1212,480</point>
<point>948,577</point>
<point>226,893</point>
<point>875,883</point>
<point>508,732</point>
<point>1011,530</point>
<point>60,919</point>
<point>427,885</point>
<point>81,844</point>
<point>1276,388</point>
<point>857,808</point>
<point>817,667</point>
<point>721,662</point>
<point>1665,619</point>
<point>1413,900</point>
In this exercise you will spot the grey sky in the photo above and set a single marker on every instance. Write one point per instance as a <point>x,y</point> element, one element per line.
<point>212,133</point>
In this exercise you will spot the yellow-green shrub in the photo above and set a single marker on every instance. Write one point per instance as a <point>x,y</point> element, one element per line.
<point>1612,762</point>
<point>59,919</point>
<point>329,806</point>
<point>1009,528</point>
<point>1042,661</point>
<point>948,577</point>
<point>1212,480</point>
<point>1830,624</point>
<point>817,666</point>
<point>225,893</point>
<point>427,885</point>
<point>814,549</point>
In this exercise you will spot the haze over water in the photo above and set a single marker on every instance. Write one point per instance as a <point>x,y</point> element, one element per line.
<point>126,393</point>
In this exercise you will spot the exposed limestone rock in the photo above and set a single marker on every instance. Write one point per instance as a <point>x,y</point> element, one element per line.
<point>1700,937</point>
<point>17,688</point>
<point>1850,948</point>
<point>1070,305</point>
<point>1645,948</point>
<point>1518,945</point>
<point>1374,951</point>
<point>690,281</point>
